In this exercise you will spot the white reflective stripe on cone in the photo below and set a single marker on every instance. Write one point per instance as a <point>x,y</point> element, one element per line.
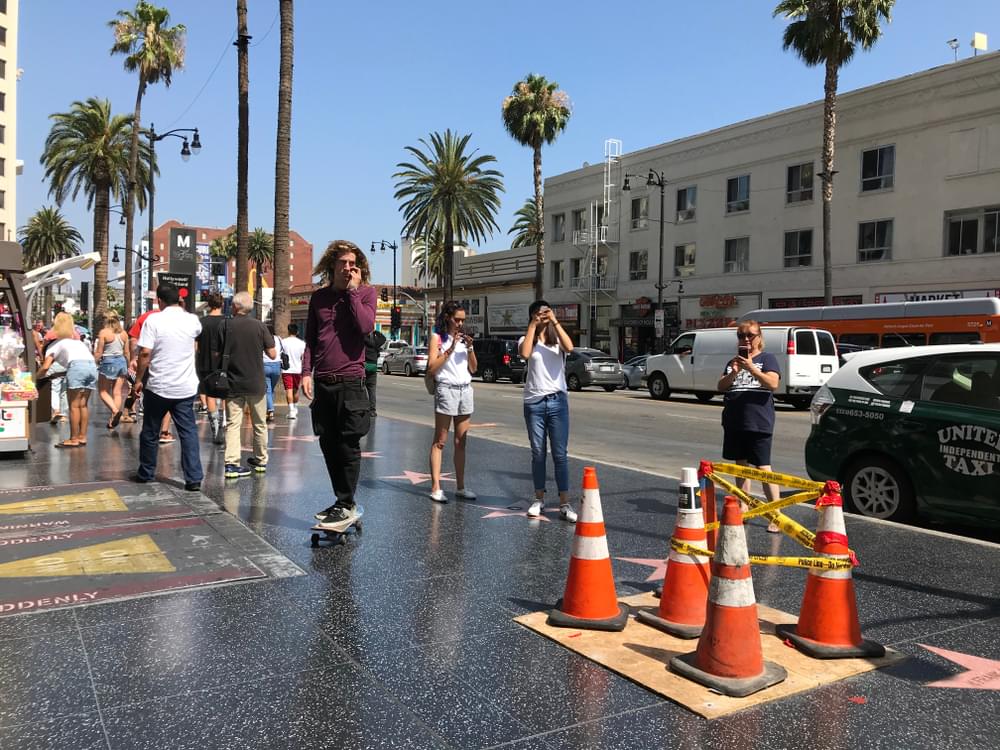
<point>832,519</point>
<point>690,519</point>
<point>683,557</point>
<point>590,508</point>
<point>731,548</point>
<point>730,592</point>
<point>590,548</point>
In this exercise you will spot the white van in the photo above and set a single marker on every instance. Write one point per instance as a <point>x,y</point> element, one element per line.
<point>695,360</point>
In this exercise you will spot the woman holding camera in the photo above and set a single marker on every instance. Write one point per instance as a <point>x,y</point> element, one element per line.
<point>546,404</point>
<point>451,362</point>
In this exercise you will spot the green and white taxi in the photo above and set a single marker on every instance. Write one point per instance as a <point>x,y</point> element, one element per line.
<point>912,431</point>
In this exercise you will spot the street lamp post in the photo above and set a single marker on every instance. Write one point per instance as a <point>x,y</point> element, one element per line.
<point>656,179</point>
<point>384,245</point>
<point>186,150</point>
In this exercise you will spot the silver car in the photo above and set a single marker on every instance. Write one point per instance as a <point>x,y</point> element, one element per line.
<point>633,370</point>
<point>586,367</point>
<point>408,360</point>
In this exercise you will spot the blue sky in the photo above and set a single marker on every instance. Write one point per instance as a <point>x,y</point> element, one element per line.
<point>371,78</point>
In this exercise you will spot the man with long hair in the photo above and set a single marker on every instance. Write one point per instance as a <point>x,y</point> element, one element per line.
<point>340,316</point>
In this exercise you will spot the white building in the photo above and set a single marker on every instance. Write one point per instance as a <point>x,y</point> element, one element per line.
<point>916,211</point>
<point>9,166</point>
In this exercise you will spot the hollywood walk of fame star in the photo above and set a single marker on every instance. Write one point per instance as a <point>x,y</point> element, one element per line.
<point>659,566</point>
<point>514,511</point>
<point>299,438</point>
<point>416,477</point>
<point>982,674</point>
<point>371,454</point>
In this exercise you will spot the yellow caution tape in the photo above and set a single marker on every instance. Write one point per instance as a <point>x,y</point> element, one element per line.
<point>790,528</point>
<point>763,509</point>
<point>787,480</point>
<point>812,563</point>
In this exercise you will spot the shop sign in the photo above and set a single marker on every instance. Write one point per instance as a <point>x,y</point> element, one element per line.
<point>783,303</point>
<point>716,310</point>
<point>508,318</point>
<point>183,251</point>
<point>567,313</point>
<point>185,285</point>
<point>12,422</point>
<point>643,306</point>
<point>933,296</point>
<point>718,301</point>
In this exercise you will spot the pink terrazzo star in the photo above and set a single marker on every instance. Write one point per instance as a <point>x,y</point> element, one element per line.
<point>370,454</point>
<point>659,566</point>
<point>504,512</point>
<point>983,674</point>
<point>416,477</point>
<point>298,438</point>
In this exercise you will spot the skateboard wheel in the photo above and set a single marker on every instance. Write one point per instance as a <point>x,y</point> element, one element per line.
<point>314,540</point>
<point>358,526</point>
<point>342,539</point>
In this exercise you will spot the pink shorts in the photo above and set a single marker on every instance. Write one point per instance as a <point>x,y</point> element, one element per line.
<point>291,381</point>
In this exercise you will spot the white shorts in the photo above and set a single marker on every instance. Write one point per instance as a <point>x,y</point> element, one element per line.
<point>453,400</point>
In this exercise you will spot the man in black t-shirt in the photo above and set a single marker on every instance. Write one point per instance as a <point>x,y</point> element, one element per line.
<point>249,340</point>
<point>208,358</point>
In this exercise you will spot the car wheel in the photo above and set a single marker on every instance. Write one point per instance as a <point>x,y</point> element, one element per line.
<point>408,371</point>
<point>385,368</point>
<point>877,487</point>
<point>489,375</point>
<point>515,379</point>
<point>704,397</point>
<point>658,387</point>
<point>573,382</point>
<point>611,388</point>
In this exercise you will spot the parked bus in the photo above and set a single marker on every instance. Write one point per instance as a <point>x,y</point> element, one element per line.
<point>894,324</point>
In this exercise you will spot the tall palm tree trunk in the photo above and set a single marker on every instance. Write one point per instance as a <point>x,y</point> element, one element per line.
<point>829,134</point>
<point>242,281</point>
<point>259,291</point>
<point>282,168</point>
<point>129,208</point>
<point>449,260</point>
<point>102,204</point>
<point>539,225</point>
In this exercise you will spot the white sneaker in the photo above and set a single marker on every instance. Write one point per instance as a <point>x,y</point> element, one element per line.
<point>438,496</point>
<point>293,413</point>
<point>567,513</point>
<point>465,494</point>
<point>535,510</point>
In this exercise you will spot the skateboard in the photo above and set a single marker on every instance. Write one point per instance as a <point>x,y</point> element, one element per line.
<point>337,535</point>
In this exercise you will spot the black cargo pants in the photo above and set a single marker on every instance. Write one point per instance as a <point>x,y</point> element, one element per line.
<point>341,417</point>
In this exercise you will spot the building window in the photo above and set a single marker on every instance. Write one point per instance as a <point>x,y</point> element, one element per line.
<point>3,167</point>
<point>574,268</point>
<point>3,69</point>
<point>738,194</point>
<point>558,274</point>
<point>687,198</point>
<point>559,227</point>
<point>638,261</point>
<point>800,183</point>
<point>640,213</point>
<point>798,248</point>
<point>737,255</point>
<point>3,134</point>
<point>684,260</point>
<point>3,6</point>
<point>580,220</point>
<point>878,167</point>
<point>3,36</point>
<point>963,235</point>
<point>875,240</point>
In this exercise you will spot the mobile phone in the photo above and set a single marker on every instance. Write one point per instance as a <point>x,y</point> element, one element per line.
<point>743,351</point>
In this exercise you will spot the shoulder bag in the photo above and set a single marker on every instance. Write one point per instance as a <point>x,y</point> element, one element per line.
<point>285,363</point>
<point>216,383</point>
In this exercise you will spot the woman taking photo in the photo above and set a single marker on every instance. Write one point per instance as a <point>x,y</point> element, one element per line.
<point>81,377</point>
<point>112,356</point>
<point>451,362</point>
<point>546,405</point>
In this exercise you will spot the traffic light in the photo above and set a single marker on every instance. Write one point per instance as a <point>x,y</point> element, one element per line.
<point>218,266</point>
<point>396,319</point>
<point>385,294</point>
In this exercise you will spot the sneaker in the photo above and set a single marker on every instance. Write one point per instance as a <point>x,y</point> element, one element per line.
<point>257,465</point>
<point>270,416</point>
<point>465,494</point>
<point>438,496</point>
<point>166,438</point>
<point>235,471</point>
<point>324,513</point>
<point>567,513</point>
<point>535,509</point>
<point>218,431</point>
<point>192,486</point>
<point>293,413</point>
<point>338,516</point>
<point>773,528</point>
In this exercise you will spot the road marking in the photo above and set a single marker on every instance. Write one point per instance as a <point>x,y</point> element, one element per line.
<point>81,502</point>
<point>138,554</point>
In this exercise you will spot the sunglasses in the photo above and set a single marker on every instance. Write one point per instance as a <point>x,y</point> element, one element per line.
<point>746,336</point>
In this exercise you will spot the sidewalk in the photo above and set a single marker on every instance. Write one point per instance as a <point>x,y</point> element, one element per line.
<point>404,637</point>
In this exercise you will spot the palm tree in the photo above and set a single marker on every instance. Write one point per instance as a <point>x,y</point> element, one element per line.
<point>260,251</point>
<point>154,50</point>
<point>535,113</point>
<point>448,189</point>
<point>242,280</point>
<point>526,226</point>
<point>829,32</point>
<point>282,165</point>
<point>46,238</point>
<point>88,149</point>
<point>435,255</point>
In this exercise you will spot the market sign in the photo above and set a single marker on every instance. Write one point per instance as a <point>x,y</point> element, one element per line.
<point>934,296</point>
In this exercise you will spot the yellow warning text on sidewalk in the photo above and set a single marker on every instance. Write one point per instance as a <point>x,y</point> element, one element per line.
<point>81,502</point>
<point>137,554</point>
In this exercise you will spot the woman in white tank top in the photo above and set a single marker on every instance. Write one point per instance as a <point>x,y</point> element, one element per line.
<point>451,362</point>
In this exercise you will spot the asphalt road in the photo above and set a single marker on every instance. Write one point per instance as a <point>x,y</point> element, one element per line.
<point>627,428</point>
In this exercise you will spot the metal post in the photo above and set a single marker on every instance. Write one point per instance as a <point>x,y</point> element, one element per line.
<point>659,279</point>
<point>149,249</point>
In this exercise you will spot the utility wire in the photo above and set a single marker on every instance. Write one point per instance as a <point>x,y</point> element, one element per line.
<point>268,32</point>
<point>204,85</point>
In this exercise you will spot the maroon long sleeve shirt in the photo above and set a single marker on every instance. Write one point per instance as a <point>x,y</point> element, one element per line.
<point>335,331</point>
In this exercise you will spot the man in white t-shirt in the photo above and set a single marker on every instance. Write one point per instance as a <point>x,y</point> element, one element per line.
<point>291,377</point>
<point>167,350</point>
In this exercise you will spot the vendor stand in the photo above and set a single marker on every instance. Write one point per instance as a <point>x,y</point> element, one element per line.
<point>17,356</point>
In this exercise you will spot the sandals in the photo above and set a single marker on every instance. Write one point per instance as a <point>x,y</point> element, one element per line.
<point>69,444</point>
<point>115,419</point>
<point>128,419</point>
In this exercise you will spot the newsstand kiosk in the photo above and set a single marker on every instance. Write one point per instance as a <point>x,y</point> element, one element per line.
<point>17,356</point>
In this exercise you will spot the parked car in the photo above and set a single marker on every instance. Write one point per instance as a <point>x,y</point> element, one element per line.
<point>695,360</point>
<point>499,358</point>
<point>912,431</point>
<point>633,370</point>
<point>387,348</point>
<point>408,360</point>
<point>586,367</point>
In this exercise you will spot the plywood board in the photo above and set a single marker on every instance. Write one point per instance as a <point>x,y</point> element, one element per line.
<point>641,654</point>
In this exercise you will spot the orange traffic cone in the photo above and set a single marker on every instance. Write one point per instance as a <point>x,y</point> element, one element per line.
<point>729,658</point>
<point>685,588</point>
<point>828,626</point>
<point>589,600</point>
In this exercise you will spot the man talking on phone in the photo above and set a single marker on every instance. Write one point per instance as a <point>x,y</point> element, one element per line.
<point>340,316</point>
<point>748,384</point>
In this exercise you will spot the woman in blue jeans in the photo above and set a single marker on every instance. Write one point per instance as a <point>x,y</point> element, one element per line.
<point>272,374</point>
<point>546,404</point>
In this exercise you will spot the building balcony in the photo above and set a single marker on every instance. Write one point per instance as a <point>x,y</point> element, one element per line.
<point>601,282</point>
<point>600,235</point>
